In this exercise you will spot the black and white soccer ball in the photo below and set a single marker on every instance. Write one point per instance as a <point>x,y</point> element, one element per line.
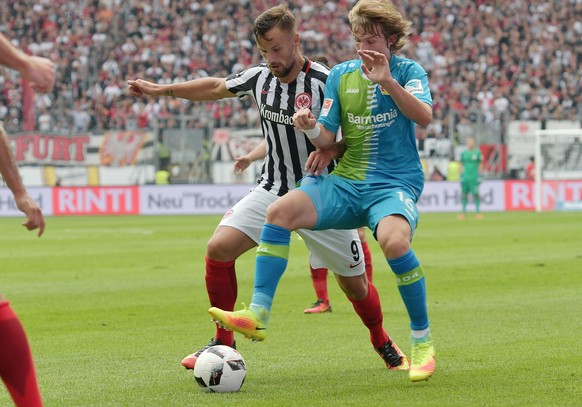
<point>220,369</point>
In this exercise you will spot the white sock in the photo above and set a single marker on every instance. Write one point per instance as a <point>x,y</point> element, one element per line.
<point>420,334</point>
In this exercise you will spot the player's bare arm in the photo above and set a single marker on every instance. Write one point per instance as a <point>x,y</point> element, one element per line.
<point>202,89</point>
<point>377,69</point>
<point>40,72</point>
<point>257,153</point>
<point>320,159</point>
<point>24,202</point>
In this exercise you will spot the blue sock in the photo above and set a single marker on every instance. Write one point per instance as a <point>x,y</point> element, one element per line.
<point>270,264</point>
<point>411,284</point>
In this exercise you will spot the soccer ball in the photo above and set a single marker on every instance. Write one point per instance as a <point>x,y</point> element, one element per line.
<point>220,369</point>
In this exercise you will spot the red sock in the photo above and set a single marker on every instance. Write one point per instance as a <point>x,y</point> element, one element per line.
<point>16,365</point>
<point>367,260</point>
<point>222,291</point>
<point>370,311</point>
<point>319,277</point>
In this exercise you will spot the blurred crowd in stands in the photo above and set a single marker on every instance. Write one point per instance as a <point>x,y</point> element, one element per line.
<point>520,57</point>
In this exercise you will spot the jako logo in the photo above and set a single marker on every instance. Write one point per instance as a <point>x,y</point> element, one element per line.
<point>352,91</point>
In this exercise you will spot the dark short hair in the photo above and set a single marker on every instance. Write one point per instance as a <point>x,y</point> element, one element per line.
<point>322,59</point>
<point>279,16</point>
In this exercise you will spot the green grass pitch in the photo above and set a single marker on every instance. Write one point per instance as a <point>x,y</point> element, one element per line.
<point>112,304</point>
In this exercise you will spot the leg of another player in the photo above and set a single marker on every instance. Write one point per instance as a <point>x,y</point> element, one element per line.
<point>224,247</point>
<point>16,364</point>
<point>394,235</point>
<point>464,199</point>
<point>367,253</point>
<point>366,302</point>
<point>319,280</point>
<point>319,277</point>
<point>294,211</point>
<point>478,214</point>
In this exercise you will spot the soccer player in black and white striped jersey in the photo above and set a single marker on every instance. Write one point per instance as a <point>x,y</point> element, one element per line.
<point>280,87</point>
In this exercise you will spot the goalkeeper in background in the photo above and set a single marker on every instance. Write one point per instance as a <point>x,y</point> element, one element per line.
<point>471,165</point>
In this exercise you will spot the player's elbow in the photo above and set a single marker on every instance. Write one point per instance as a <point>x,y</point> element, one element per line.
<point>425,117</point>
<point>424,122</point>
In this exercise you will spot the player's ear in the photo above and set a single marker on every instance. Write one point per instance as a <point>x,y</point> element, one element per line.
<point>296,39</point>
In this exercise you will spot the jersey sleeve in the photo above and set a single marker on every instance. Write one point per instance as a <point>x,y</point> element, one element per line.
<point>330,115</point>
<point>415,81</point>
<point>243,83</point>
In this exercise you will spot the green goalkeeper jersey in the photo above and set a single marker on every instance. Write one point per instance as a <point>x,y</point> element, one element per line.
<point>471,160</point>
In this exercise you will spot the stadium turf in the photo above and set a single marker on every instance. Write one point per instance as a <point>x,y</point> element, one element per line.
<point>112,304</point>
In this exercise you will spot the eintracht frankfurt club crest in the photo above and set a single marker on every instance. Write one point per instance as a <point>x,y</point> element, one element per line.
<point>303,100</point>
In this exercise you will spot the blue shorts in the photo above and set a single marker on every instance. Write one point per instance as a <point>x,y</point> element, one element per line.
<point>347,204</point>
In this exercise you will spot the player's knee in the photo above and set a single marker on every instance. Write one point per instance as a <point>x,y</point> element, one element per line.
<point>355,288</point>
<point>395,245</point>
<point>358,294</point>
<point>278,214</point>
<point>217,250</point>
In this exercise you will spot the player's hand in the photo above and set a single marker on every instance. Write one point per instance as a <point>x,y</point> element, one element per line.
<point>35,218</point>
<point>139,87</point>
<point>318,161</point>
<point>304,119</point>
<point>40,72</point>
<point>375,65</point>
<point>241,164</point>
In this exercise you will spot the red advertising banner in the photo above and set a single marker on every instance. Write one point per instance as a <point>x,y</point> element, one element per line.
<point>96,201</point>
<point>35,148</point>
<point>111,149</point>
<point>520,195</point>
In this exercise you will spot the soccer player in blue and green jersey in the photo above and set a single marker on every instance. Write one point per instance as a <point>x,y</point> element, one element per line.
<point>376,101</point>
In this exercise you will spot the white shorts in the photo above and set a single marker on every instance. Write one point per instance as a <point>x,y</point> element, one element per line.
<point>338,250</point>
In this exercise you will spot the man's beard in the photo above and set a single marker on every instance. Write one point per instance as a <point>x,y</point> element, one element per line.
<point>281,74</point>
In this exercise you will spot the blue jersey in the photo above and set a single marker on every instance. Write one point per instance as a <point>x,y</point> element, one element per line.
<point>380,140</point>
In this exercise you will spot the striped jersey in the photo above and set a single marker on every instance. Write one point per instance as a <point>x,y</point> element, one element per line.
<point>287,147</point>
